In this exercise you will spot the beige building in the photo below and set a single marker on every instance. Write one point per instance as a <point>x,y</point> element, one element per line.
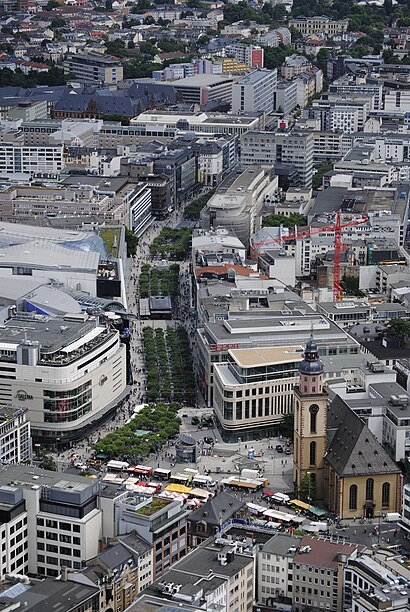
<point>319,25</point>
<point>254,389</point>
<point>310,424</point>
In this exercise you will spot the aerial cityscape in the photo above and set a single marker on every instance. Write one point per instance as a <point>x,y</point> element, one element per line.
<point>204,306</point>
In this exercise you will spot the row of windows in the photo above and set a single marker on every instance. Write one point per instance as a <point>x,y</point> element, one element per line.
<point>369,494</point>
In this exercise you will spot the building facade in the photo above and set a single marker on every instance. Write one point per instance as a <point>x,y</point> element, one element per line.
<point>254,390</point>
<point>255,92</point>
<point>310,400</point>
<point>94,68</point>
<point>67,372</point>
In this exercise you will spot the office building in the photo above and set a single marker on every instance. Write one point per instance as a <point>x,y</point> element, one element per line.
<point>204,88</point>
<point>237,204</point>
<point>17,159</point>
<point>254,390</point>
<point>291,148</point>
<point>155,123</point>
<point>255,321</point>
<point>160,522</point>
<point>255,92</point>
<point>95,68</point>
<point>51,522</point>
<point>68,372</point>
<point>286,93</point>
<point>376,580</point>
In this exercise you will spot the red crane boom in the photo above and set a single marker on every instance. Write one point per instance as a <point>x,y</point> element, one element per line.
<point>337,228</point>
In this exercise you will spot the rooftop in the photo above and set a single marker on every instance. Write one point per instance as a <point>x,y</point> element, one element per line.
<point>323,553</point>
<point>261,356</point>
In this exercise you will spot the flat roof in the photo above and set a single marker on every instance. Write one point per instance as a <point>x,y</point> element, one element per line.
<point>52,333</point>
<point>27,475</point>
<point>203,80</point>
<point>260,356</point>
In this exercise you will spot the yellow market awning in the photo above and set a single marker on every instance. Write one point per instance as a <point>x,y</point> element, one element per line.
<point>299,504</point>
<point>177,488</point>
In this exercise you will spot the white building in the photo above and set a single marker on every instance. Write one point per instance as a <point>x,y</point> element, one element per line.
<point>15,442</point>
<point>68,372</point>
<point>48,521</point>
<point>31,159</point>
<point>344,119</point>
<point>255,92</point>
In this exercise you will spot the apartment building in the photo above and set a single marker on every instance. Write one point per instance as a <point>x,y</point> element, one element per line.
<point>251,55</point>
<point>254,389</point>
<point>327,146</point>
<point>255,92</point>
<point>294,65</point>
<point>237,204</point>
<point>318,572</point>
<point>95,68</point>
<point>17,159</point>
<point>216,575</point>
<point>68,372</point>
<point>274,561</point>
<point>319,25</point>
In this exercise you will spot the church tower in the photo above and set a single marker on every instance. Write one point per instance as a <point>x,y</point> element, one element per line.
<point>310,406</point>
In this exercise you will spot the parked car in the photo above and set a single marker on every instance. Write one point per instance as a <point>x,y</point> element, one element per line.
<point>288,451</point>
<point>194,420</point>
<point>208,440</point>
<point>279,448</point>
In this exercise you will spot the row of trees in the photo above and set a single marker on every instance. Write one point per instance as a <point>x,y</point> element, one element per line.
<point>168,365</point>
<point>172,243</point>
<point>193,210</point>
<point>159,281</point>
<point>161,423</point>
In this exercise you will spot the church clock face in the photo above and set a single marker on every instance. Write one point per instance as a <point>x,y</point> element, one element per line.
<point>314,409</point>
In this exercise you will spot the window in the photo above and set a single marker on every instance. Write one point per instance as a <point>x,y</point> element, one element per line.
<point>353,497</point>
<point>369,488</point>
<point>312,453</point>
<point>386,494</point>
<point>314,409</point>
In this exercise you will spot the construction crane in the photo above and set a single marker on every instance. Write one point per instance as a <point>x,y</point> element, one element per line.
<point>335,227</point>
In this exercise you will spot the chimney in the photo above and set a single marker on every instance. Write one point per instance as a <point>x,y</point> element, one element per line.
<point>64,574</point>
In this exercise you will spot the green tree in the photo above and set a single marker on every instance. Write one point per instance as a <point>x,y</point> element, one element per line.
<point>51,4</point>
<point>132,242</point>
<point>108,5</point>
<point>286,426</point>
<point>400,329</point>
<point>321,60</point>
<point>48,463</point>
<point>275,220</point>
<point>307,488</point>
<point>148,48</point>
